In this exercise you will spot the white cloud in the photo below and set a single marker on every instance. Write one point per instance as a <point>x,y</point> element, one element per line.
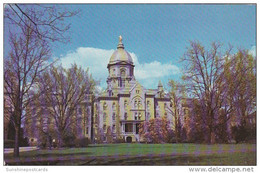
<point>96,59</point>
<point>252,51</point>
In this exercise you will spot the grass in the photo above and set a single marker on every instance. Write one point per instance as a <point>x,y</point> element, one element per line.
<point>141,154</point>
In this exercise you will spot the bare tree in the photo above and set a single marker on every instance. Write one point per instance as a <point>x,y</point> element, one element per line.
<point>31,29</point>
<point>46,21</point>
<point>203,74</point>
<point>64,90</point>
<point>25,62</point>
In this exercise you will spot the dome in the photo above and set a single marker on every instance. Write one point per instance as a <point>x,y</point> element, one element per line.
<point>120,54</point>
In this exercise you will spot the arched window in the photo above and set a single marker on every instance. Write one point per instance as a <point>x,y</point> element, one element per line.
<point>104,127</point>
<point>122,72</point>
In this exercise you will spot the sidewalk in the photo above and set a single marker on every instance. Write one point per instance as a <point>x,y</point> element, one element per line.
<point>22,149</point>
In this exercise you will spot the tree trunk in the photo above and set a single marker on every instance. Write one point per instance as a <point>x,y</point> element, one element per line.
<point>16,143</point>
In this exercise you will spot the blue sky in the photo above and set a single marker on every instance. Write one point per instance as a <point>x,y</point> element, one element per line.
<point>155,35</point>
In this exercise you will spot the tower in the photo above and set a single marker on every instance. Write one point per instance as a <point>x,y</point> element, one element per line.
<point>120,68</point>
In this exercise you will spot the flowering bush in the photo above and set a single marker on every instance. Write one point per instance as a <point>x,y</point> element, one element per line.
<point>156,130</point>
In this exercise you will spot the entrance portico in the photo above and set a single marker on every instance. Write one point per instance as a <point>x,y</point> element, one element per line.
<point>130,128</point>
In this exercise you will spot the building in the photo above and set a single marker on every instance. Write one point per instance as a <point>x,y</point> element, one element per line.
<point>126,103</point>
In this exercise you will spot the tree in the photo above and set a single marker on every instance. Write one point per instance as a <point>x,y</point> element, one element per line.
<point>177,98</point>
<point>46,21</point>
<point>31,28</point>
<point>156,130</point>
<point>203,74</point>
<point>63,91</point>
<point>240,78</point>
<point>25,62</point>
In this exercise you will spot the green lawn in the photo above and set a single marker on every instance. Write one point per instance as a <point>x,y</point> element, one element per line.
<point>142,154</point>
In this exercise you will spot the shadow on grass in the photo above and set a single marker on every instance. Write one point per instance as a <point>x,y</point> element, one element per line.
<point>157,160</point>
<point>170,160</point>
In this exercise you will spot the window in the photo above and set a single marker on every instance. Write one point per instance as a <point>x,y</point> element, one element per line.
<point>104,106</point>
<point>136,116</point>
<point>147,116</point>
<point>104,128</point>
<point>125,103</point>
<point>165,105</point>
<point>113,106</point>
<point>122,72</point>
<point>128,127</point>
<point>125,116</point>
<point>114,128</point>
<point>80,110</point>
<point>148,104</point>
<point>114,116</point>
<point>104,117</point>
<point>135,103</point>
<point>137,91</point>
<point>139,116</point>
<point>139,103</point>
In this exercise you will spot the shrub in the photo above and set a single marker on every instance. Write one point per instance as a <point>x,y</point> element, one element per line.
<point>119,140</point>
<point>9,144</point>
<point>157,130</point>
<point>69,140</point>
<point>81,142</point>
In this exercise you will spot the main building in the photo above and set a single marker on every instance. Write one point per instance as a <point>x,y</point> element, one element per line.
<point>126,103</point>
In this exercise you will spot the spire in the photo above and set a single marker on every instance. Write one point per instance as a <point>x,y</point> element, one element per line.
<point>160,84</point>
<point>120,44</point>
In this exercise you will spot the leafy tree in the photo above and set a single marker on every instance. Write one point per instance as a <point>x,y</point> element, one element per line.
<point>177,98</point>
<point>240,78</point>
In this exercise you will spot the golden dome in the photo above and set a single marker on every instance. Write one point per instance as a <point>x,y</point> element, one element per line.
<point>120,55</point>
